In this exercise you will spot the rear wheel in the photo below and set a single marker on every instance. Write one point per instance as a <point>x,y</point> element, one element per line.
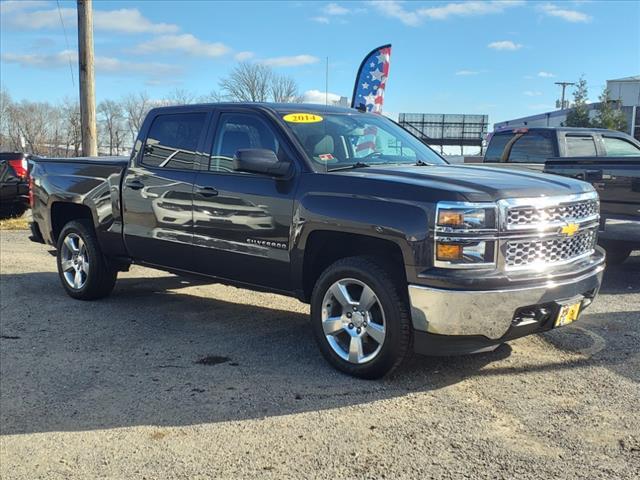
<point>359,318</point>
<point>84,272</point>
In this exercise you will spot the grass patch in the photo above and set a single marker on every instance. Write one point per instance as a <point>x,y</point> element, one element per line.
<point>20,223</point>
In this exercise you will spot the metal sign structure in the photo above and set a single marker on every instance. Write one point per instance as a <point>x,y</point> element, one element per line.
<point>447,129</point>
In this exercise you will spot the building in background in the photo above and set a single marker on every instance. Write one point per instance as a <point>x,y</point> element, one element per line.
<point>440,130</point>
<point>625,90</point>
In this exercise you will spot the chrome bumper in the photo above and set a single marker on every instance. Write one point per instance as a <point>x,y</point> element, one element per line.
<point>489,312</point>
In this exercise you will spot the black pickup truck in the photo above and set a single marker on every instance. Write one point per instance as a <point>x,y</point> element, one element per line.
<point>609,160</point>
<point>395,250</point>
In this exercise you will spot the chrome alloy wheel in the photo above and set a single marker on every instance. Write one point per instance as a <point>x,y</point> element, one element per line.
<point>74,261</point>
<point>353,321</point>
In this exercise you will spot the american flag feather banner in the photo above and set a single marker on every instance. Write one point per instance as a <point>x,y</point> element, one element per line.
<point>371,80</point>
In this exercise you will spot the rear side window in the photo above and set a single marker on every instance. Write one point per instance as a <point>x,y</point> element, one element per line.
<point>531,148</point>
<point>619,147</point>
<point>173,139</point>
<point>240,131</point>
<point>580,146</point>
<point>496,147</point>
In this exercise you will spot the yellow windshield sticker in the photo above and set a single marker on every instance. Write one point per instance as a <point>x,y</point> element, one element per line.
<point>302,118</point>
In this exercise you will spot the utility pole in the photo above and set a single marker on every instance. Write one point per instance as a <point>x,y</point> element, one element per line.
<point>87,79</point>
<point>564,85</point>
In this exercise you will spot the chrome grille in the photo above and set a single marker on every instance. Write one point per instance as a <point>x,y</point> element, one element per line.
<point>532,252</point>
<point>531,216</point>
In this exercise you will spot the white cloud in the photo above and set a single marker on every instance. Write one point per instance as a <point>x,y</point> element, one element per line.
<point>467,72</point>
<point>244,56</point>
<point>9,6</point>
<point>467,9</point>
<point>292,61</point>
<point>546,75</point>
<point>316,96</point>
<point>107,65</point>
<point>321,19</point>
<point>573,16</point>
<point>129,20</point>
<point>125,20</point>
<point>505,45</point>
<point>186,43</point>
<point>396,9</point>
<point>532,93</point>
<point>335,9</point>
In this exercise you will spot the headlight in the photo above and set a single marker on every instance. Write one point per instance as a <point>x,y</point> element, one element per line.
<point>465,235</point>
<point>452,218</point>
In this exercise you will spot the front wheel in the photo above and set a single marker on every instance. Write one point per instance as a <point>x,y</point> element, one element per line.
<point>84,272</point>
<point>360,318</point>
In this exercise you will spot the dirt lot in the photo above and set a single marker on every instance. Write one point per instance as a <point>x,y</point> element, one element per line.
<point>113,389</point>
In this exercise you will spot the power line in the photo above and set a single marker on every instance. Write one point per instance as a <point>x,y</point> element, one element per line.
<point>66,39</point>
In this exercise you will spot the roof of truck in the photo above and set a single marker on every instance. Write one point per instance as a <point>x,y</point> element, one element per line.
<point>559,129</point>
<point>277,107</point>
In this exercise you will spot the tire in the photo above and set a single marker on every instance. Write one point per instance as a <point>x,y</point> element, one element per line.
<point>384,330</point>
<point>616,253</point>
<point>84,272</point>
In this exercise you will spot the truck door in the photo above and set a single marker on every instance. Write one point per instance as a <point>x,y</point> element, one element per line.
<point>157,191</point>
<point>242,220</point>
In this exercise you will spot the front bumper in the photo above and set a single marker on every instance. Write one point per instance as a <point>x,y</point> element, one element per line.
<point>495,314</point>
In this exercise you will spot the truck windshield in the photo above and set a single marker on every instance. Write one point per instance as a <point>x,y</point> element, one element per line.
<point>336,141</point>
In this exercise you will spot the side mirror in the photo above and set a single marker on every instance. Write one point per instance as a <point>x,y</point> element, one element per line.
<point>259,160</point>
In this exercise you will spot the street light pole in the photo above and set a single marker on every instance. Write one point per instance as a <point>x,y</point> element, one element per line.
<point>87,79</point>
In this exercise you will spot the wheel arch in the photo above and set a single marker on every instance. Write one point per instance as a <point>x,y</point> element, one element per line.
<point>324,247</point>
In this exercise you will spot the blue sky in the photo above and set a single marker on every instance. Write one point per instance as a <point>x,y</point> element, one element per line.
<point>500,58</point>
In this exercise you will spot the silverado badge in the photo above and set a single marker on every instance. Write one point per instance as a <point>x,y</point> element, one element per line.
<point>570,229</point>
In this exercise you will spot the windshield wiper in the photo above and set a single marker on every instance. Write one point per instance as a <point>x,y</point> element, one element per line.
<point>350,167</point>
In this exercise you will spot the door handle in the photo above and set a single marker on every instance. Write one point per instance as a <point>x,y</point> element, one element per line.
<point>206,191</point>
<point>134,184</point>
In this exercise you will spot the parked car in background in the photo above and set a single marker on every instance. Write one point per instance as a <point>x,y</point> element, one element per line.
<point>607,159</point>
<point>394,249</point>
<point>14,184</point>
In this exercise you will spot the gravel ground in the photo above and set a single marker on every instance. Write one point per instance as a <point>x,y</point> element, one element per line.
<point>113,389</point>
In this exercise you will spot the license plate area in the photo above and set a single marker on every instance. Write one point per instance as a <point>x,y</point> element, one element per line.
<point>568,312</point>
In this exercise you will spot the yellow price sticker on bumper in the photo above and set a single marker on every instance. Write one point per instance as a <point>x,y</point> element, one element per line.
<point>302,118</point>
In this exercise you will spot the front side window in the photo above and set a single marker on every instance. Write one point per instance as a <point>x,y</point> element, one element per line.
<point>340,140</point>
<point>173,139</point>
<point>239,131</point>
<point>531,148</point>
<point>619,147</point>
<point>580,146</point>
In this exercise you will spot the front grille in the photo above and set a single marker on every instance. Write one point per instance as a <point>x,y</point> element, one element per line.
<point>531,216</point>
<point>529,253</point>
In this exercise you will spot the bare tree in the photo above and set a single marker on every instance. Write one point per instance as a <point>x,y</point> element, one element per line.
<point>73,133</point>
<point>180,96</point>
<point>284,89</point>
<point>211,97</point>
<point>136,107</point>
<point>30,123</point>
<point>5,105</point>
<point>248,82</point>
<point>111,117</point>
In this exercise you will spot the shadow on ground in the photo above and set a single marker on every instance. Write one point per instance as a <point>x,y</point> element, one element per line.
<point>132,359</point>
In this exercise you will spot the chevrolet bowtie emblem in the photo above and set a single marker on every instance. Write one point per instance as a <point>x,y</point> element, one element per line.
<point>570,229</point>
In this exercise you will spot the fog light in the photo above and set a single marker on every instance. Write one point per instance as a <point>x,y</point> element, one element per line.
<point>448,251</point>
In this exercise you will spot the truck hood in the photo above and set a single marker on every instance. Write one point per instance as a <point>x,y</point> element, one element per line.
<point>476,183</point>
